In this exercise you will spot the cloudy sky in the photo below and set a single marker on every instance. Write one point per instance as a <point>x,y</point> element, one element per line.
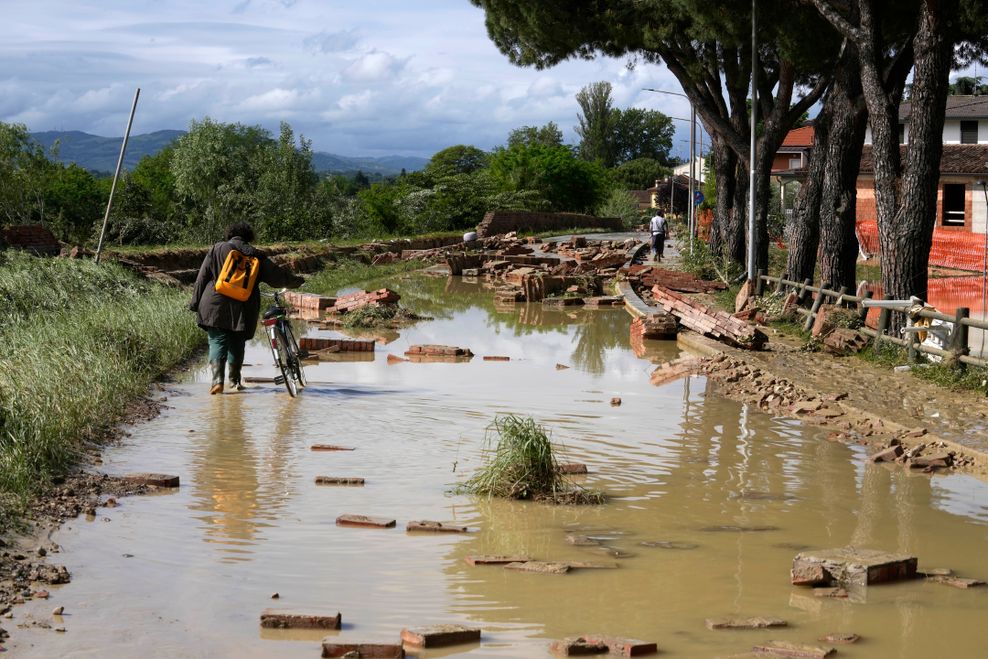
<point>370,77</point>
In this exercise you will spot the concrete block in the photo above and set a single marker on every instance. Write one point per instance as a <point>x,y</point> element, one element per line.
<point>440,635</point>
<point>339,480</point>
<point>158,480</point>
<point>435,527</point>
<point>275,619</point>
<point>850,566</point>
<point>334,648</point>
<point>366,521</point>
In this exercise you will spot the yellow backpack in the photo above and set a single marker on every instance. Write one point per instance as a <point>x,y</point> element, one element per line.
<point>238,275</point>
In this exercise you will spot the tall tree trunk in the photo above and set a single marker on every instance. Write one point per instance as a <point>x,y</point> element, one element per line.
<point>906,234</point>
<point>803,230</point>
<point>736,230</point>
<point>725,163</point>
<point>848,114</point>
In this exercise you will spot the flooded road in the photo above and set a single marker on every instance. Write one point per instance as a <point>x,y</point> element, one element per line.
<point>687,471</point>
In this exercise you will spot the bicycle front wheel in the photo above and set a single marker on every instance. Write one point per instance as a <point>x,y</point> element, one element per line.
<point>284,361</point>
<point>296,359</point>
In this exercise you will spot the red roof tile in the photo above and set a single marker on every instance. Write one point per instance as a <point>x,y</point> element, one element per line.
<point>799,137</point>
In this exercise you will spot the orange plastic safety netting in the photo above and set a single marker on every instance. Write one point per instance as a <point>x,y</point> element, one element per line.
<point>950,249</point>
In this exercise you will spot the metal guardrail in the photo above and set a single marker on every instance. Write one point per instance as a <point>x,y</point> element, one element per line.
<point>958,351</point>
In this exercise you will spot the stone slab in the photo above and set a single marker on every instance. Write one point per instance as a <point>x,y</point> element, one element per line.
<point>158,480</point>
<point>440,635</point>
<point>745,623</point>
<point>366,521</point>
<point>539,567</point>
<point>276,619</point>
<point>851,566</point>
<point>787,649</point>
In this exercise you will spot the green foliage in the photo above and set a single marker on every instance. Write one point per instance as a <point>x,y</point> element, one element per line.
<point>563,181</point>
<point>640,173</point>
<point>641,133</point>
<point>81,341</point>
<point>623,204</point>
<point>77,202</point>
<point>460,159</point>
<point>596,123</point>
<point>548,135</point>
<point>523,466</point>
<point>701,262</point>
<point>350,272</point>
<point>146,209</point>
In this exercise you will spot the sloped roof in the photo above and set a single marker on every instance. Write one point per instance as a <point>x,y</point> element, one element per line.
<point>799,138</point>
<point>958,107</point>
<point>957,159</point>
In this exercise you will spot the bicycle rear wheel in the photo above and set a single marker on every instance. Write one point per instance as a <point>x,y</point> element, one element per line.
<point>283,358</point>
<point>296,359</point>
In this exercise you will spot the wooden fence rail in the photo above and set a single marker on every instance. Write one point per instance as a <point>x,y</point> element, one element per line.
<point>957,341</point>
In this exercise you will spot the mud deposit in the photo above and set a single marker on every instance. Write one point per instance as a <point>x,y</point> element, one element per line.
<point>709,502</point>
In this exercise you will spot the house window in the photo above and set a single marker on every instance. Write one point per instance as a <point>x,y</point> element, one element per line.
<point>795,163</point>
<point>953,204</point>
<point>969,132</point>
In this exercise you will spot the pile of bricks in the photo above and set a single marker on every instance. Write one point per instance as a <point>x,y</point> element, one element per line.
<point>682,282</point>
<point>437,351</point>
<point>308,301</point>
<point>379,298</point>
<point>715,324</point>
<point>658,326</point>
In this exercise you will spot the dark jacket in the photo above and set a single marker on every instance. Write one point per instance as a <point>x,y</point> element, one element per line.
<point>221,312</point>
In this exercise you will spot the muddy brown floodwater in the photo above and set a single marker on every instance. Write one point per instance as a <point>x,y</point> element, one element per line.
<point>691,476</point>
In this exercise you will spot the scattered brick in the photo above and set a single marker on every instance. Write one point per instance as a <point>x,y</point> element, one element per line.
<point>158,480</point>
<point>616,402</point>
<point>835,592</point>
<point>745,623</point>
<point>440,635</point>
<point>539,567</point>
<point>571,468</point>
<point>395,359</point>
<point>717,324</point>
<point>561,367</point>
<point>364,520</point>
<point>956,582</point>
<point>496,559</point>
<point>339,480</point>
<point>310,343</point>
<point>378,298</point>
<point>851,566</point>
<point>438,351</point>
<point>886,455</point>
<point>329,447</point>
<point>578,647</point>
<point>308,301</point>
<point>590,565</point>
<point>938,460</point>
<point>496,358</point>
<point>333,648</point>
<point>786,649</point>
<point>625,647</point>
<point>273,619</point>
<point>435,527</point>
<point>840,638</point>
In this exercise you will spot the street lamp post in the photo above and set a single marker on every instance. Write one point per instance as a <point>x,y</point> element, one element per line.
<point>751,152</point>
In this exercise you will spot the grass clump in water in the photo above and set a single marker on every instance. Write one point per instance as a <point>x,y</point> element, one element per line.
<point>390,315</point>
<point>523,466</point>
<point>351,272</point>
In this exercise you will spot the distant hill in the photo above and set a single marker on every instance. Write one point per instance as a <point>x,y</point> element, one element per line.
<point>100,153</point>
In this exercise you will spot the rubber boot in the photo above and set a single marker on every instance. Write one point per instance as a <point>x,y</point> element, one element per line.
<point>217,368</point>
<point>235,377</point>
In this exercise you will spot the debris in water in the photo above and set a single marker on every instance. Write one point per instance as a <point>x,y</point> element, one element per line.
<point>273,619</point>
<point>786,649</point>
<point>840,638</point>
<point>440,635</point>
<point>364,520</point>
<point>435,527</point>
<point>332,648</point>
<point>339,480</point>
<point>577,647</point>
<point>58,610</point>
<point>496,559</point>
<point>539,567</point>
<point>329,447</point>
<point>745,623</point>
<point>158,480</point>
<point>850,566</point>
<point>615,401</point>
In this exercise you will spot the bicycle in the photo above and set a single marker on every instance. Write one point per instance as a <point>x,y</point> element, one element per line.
<point>284,347</point>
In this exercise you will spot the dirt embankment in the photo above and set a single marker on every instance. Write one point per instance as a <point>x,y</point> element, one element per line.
<point>828,392</point>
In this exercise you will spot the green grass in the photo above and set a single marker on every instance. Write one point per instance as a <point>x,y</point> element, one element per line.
<point>80,341</point>
<point>523,466</point>
<point>890,355</point>
<point>351,272</point>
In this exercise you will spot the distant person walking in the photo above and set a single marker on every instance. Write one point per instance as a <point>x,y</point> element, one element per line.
<point>227,301</point>
<point>657,225</point>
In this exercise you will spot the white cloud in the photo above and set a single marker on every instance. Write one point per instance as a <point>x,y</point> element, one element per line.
<point>373,66</point>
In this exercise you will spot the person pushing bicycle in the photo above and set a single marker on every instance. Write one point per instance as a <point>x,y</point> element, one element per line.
<point>227,301</point>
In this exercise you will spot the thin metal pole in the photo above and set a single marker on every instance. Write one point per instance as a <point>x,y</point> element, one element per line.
<point>751,151</point>
<point>116,174</point>
<point>692,171</point>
